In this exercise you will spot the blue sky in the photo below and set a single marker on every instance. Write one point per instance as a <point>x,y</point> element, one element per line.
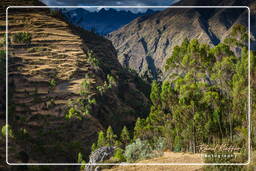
<point>110,3</point>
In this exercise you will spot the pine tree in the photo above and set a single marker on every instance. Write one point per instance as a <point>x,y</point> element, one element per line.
<point>110,136</point>
<point>101,139</point>
<point>139,128</point>
<point>94,147</point>
<point>125,136</point>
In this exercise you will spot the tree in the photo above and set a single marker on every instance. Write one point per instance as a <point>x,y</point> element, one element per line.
<point>101,139</point>
<point>139,128</point>
<point>110,136</point>
<point>94,147</point>
<point>155,93</point>
<point>125,136</point>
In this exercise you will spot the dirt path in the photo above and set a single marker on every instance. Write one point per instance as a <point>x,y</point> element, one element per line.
<point>168,157</point>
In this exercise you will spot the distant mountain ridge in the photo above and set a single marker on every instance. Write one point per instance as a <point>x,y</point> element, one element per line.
<point>103,21</point>
<point>144,44</point>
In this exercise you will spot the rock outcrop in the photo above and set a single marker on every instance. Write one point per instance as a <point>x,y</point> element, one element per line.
<point>98,156</point>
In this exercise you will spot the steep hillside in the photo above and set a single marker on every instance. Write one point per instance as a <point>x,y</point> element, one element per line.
<point>65,84</point>
<point>145,43</point>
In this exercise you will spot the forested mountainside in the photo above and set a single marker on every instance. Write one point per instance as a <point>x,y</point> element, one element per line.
<point>65,84</point>
<point>146,43</point>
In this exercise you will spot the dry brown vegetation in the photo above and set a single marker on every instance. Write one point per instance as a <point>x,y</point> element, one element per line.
<point>168,157</point>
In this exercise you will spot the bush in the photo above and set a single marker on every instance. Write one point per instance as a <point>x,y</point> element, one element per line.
<point>52,83</point>
<point>92,59</point>
<point>143,149</point>
<point>10,132</point>
<point>22,37</point>
<point>111,81</point>
<point>72,113</point>
<point>3,41</point>
<point>119,155</point>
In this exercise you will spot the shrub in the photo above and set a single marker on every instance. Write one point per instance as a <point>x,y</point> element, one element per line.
<point>94,147</point>
<point>92,59</point>
<point>142,150</point>
<point>80,160</point>
<point>10,132</point>
<point>102,89</point>
<point>3,41</point>
<point>111,81</point>
<point>72,113</point>
<point>22,37</point>
<point>119,155</point>
<point>52,83</point>
<point>85,87</point>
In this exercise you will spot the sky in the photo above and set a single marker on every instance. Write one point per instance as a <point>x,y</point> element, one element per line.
<point>110,3</point>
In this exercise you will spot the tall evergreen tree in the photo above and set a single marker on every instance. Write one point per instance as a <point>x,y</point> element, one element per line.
<point>101,139</point>
<point>125,136</point>
<point>110,136</point>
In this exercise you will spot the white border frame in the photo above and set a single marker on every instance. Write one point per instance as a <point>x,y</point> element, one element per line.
<point>134,164</point>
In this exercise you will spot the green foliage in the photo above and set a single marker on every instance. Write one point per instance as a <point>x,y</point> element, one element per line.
<point>52,83</point>
<point>94,147</point>
<point>85,87</point>
<point>83,166</point>
<point>110,137</point>
<point>22,38</point>
<point>72,113</point>
<point>102,89</point>
<point>206,96</point>
<point>79,157</point>
<point>119,155</point>
<point>110,83</point>
<point>9,130</point>
<point>125,136</point>
<point>80,160</point>
<point>3,40</point>
<point>238,36</point>
<point>139,128</point>
<point>141,150</point>
<point>155,93</point>
<point>203,102</point>
<point>101,139</point>
<point>190,55</point>
<point>92,59</point>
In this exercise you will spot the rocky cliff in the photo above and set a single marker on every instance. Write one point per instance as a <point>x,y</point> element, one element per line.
<point>145,43</point>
